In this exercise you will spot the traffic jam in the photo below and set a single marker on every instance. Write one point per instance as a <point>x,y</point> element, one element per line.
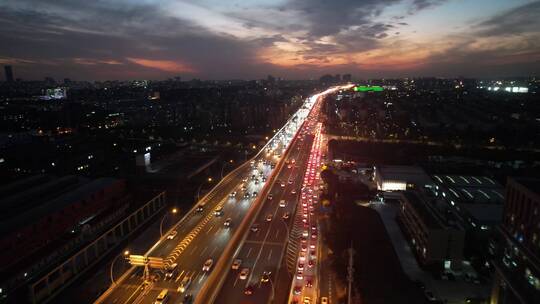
<point>303,289</point>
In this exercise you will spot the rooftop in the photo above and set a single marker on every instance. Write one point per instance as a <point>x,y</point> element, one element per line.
<point>409,174</point>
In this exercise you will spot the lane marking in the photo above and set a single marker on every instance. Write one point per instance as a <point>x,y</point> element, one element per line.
<point>179,276</point>
<point>270,254</point>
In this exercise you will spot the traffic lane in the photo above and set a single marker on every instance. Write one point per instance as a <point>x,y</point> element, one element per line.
<point>263,229</point>
<point>190,262</point>
<point>234,287</point>
<point>204,247</point>
<point>212,240</point>
<point>166,247</point>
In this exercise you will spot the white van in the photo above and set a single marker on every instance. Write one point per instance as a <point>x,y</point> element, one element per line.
<point>163,297</point>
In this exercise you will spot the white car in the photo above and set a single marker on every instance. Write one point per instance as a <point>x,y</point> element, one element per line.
<point>244,274</point>
<point>282,203</point>
<point>207,265</point>
<point>269,217</point>
<point>236,264</point>
<point>172,235</point>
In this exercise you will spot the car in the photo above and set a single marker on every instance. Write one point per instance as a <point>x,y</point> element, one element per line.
<point>303,247</point>
<point>297,290</point>
<point>290,181</point>
<point>236,264</point>
<point>188,299</point>
<point>293,192</point>
<point>305,233</point>
<point>313,253</point>
<point>218,211</point>
<point>311,246</point>
<point>227,222</point>
<point>289,166</point>
<point>282,185</point>
<point>243,274</point>
<point>286,215</point>
<point>309,283</point>
<point>270,196</point>
<point>263,179</point>
<point>171,271</point>
<point>233,194</point>
<point>186,281</point>
<point>255,227</point>
<point>300,266</point>
<point>324,300</point>
<point>269,217</point>
<point>207,265</point>
<point>249,290</point>
<point>311,263</point>
<point>476,301</point>
<point>282,203</point>
<point>172,235</point>
<point>313,235</point>
<point>254,194</point>
<point>246,195</point>
<point>302,256</point>
<point>265,277</point>
<point>163,297</point>
<point>299,275</point>
<point>199,208</point>
<point>307,300</point>
<point>314,227</point>
<point>429,296</point>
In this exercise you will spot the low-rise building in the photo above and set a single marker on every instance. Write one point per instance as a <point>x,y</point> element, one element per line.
<point>433,238</point>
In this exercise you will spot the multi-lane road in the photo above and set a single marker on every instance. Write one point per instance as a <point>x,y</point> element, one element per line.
<point>278,171</point>
<point>263,250</point>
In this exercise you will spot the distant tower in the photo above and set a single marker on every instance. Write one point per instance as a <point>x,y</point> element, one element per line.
<point>9,73</point>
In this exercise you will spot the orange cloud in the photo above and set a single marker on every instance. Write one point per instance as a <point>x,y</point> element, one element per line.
<point>163,65</point>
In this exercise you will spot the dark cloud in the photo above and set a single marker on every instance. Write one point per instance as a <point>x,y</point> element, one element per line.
<point>331,17</point>
<point>520,20</point>
<point>103,39</point>
<point>76,44</point>
<point>418,5</point>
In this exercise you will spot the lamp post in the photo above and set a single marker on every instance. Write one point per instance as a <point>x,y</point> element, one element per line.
<point>125,254</point>
<point>199,190</point>
<point>223,167</point>
<point>173,211</point>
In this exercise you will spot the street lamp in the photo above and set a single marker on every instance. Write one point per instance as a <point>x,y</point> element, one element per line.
<point>273,290</point>
<point>173,211</point>
<point>199,189</point>
<point>223,167</point>
<point>125,255</point>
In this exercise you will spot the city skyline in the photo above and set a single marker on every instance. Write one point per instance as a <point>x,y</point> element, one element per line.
<point>291,39</point>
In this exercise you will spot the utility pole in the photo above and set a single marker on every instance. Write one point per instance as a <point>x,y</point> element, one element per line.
<point>350,272</point>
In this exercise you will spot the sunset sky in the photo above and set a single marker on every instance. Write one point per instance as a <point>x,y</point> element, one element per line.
<point>293,39</point>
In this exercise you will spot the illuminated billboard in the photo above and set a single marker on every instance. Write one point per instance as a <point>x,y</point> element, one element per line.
<point>368,89</point>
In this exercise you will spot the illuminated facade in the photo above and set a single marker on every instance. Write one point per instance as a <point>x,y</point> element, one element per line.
<point>400,178</point>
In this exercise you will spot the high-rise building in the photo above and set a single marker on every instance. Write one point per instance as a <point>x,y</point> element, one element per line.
<point>9,73</point>
<point>517,252</point>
